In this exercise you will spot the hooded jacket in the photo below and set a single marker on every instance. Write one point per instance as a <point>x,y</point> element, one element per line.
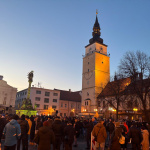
<point>99,131</point>
<point>12,133</point>
<point>44,138</point>
<point>145,142</point>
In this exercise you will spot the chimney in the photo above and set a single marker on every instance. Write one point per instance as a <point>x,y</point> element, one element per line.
<point>1,77</point>
<point>69,90</point>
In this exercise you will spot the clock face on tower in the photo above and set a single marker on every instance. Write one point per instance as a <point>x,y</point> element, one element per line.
<point>88,75</point>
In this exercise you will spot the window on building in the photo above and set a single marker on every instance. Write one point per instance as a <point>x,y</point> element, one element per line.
<point>99,104</point>
<point>37,105</point>
<point>38,92</point>
<point>88,70</point>
<point>88,63</point>
<point>4,102</point>
<point>72,105</point>
<point>47,93</point>
<point>61,104</point>
<point>54,107</point>
<point>78,106</point>
<point>55,94</point>
<point>25,93</point>
<point>61,114</point>
<point>54,100</point>
<point>87,102</point>
<point>65,105</point>
<point>46,100</point>
<point>45,106</point>
<point>37,98</point>
<point>64,114</point>
<point>87,93</point>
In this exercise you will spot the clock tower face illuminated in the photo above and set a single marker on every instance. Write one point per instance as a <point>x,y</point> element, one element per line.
<point>96,72</point>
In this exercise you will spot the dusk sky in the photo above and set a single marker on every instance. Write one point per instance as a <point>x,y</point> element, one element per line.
<point>49,37</point>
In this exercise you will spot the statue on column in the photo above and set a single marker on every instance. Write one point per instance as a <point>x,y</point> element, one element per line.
<point>27,105</point>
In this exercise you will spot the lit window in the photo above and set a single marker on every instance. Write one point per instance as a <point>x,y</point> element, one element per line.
<point>45,106</point>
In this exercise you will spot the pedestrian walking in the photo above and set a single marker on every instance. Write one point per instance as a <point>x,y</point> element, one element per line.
<point>12,133</point>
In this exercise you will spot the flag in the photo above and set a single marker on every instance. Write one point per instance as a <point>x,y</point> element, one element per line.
<point>93,143</point>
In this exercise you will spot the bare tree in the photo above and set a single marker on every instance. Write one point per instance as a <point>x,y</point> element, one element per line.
<point>137,65</point>
<point>113,93</point>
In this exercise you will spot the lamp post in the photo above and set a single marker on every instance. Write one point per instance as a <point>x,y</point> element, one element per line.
<point>135,110</point>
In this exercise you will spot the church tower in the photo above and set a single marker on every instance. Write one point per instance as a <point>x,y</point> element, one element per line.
<point>96,71</point>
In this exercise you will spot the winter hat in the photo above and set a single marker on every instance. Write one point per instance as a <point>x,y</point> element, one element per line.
<point>45,123</point>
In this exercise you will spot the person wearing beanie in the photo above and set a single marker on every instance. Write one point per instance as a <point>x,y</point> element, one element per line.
<point>24,133</point>
<point>45,137</point>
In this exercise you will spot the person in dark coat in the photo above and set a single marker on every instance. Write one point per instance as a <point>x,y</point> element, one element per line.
<point>77,128</point>
<point>136,137</point>
<point>45,137</point>
<point>24,133</point>
<point>116,135</point>
<point>89,126</point>
<point>57,128</point>
<point>3,122</point>
<point>32,132</point>
<point>69,133</point>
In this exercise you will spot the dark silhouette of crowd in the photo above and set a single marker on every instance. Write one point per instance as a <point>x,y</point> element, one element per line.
<point>53,132</point>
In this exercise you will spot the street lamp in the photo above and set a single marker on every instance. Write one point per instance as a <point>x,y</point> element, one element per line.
<point>135,110</point>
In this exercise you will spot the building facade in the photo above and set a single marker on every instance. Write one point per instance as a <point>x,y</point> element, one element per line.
<point>7,97</point>
<point>49,102</point>
<point>96,71</point>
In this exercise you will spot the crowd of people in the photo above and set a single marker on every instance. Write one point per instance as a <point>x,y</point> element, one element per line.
<point>49,132</point>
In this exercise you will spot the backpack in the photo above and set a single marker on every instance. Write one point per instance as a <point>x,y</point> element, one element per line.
<point>122,140</point>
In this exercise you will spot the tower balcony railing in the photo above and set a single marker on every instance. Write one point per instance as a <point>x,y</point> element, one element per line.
<point>94,52</point>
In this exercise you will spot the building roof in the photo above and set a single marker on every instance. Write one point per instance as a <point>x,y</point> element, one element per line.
<point>115,87</point>
<point>70,96</point>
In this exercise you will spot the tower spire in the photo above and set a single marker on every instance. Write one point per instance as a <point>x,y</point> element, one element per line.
<point>96,32</point>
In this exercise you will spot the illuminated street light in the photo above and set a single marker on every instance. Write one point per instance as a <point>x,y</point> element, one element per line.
<point>135,109</point>
<point>95,109</point>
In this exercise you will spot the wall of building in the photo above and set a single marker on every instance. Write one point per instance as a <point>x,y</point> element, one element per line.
<point>7,95</point>
<point>67,107</point>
